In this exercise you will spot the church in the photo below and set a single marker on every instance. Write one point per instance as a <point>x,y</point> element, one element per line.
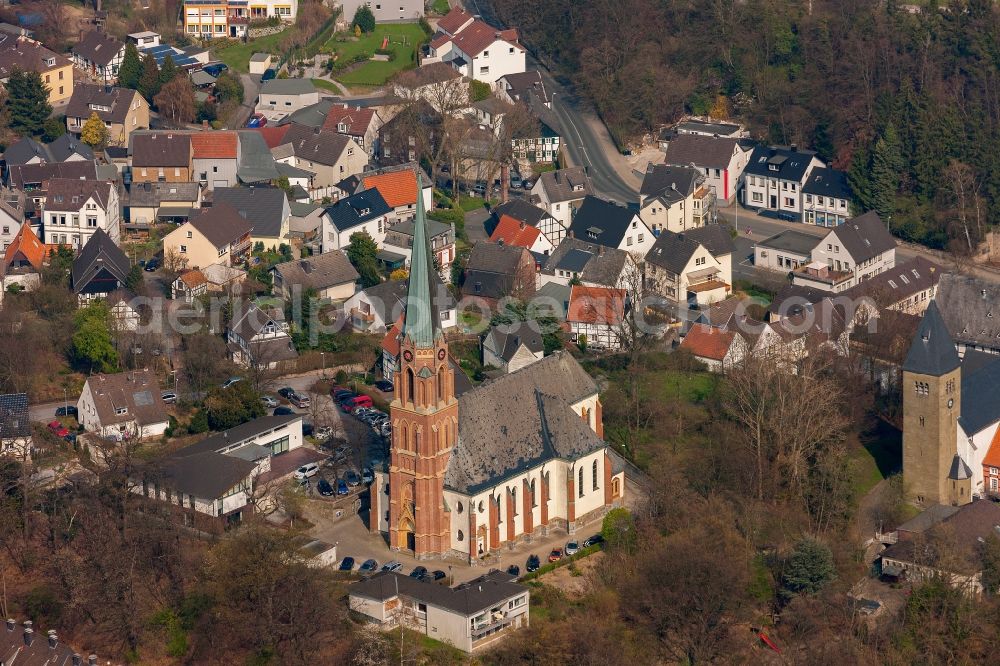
<point>951,410</point>
<point>501,463</point>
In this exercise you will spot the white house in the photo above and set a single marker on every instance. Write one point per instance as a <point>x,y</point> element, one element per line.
<point>475,48</point>
<point>522,211</point>
<point>774,178</point>
<point>826,198</point>
<point>693,267</point>
<point>364,212</point>
<point>330,275</point>
<point>562,192</point>
<point>721,159</point>
<point>597,314</point>
<point>99,55</point>
<point>74,209</point>
<point>675,198</point>
<point>15,426</point>
<point>510,347</point>
<point>611,225</point>
<point>259,337</point>
<point>126,405</point>
<point>860,248</point>
<point>280,97</point>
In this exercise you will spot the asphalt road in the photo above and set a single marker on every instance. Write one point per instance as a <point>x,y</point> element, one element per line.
<point>251,86</point>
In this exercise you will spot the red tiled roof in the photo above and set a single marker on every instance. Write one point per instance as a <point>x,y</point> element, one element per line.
<point>194,279</point>
<point>708,342</point>
<point>214,145</point>
<point>454,20</point>
<point>273,136</point>
<point>356,119</point>
<point>514,232</point>
<point>27,244</point>
<point>398,188</point>
<point>992,458</point>
<point>390,343</point>
<point>479,36</point>
<point>596,305</point>
<point>440,41</point>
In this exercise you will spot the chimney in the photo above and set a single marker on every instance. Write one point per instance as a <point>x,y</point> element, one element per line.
<point>520,224</point>
<point>11,624</point>
<point>204,124</point>
<point>500,242</point>
<point>983,294</point>
<point>600,250</point>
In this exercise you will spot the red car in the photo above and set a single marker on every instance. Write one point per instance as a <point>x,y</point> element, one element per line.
<point>555,555</point>
<point>58,429</point>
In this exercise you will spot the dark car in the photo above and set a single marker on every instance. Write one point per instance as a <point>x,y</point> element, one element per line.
<point>286,392</point>
<point>151,266</point>
<point>514,570</point>
<point>66,411</point>
<point>283,411</point>
<point>307,428</point>
<point>268,74</point>
<point>324,488</point>
<point>352,478</point>
<point>344,396</point>
<point>347,564</point>
<point>590,541</point>
<point>418,572</point>
<point>342,487</point>
<point>437,575</point>
<point>368,566</point>
<point>215,69</point>
<point>384,385</point>
<point>533,563</point>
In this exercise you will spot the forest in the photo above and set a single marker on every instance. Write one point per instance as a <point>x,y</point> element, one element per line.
<point>904,97</point>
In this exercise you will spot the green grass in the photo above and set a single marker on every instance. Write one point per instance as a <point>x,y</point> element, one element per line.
<point>878,457</point>
<point>441,6</point>
<point>375,73</point>
<point>694,386</point>
<point>237,56</point>
<point>326,85</point>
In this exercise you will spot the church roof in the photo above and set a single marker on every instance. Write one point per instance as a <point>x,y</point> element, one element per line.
<point>932,351</point>
<point>422,324</point>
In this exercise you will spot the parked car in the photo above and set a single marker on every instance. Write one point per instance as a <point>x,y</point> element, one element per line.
<point>231,381</point>
<point>68,410</point>
<point>346,564</point>
<point>268,74</point>
<point>384,385</point>
<point>283,411</point>
<point>437,574</point>
<point>572,548</point>
<point>515,179</point>
<point>352,478</point>
<point>418,572</point>
<point>215,69</point>
<point>590,541</point>
<point>392,566</point>
<point>58,429</point>
<point>555,555</point>
<point>368,566</point>
<point>168,397</point>
<point>362,413</point>
<point>340,396</point>
<point>299,400</point>
<point>533,563</point>
<point>367,475</point>
<point>323,432</point>
<point>256,120</point>
<point>352,404</point>
<point>286,392</point>
<point>324,488</point>
<point>514,570</point>
<point>342,487</point>
<point>268,401</point>
<point>151,266</point>
<point>307,470</point>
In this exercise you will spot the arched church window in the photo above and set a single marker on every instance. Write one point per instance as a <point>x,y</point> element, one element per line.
<point>409,384</point>
<point>461,535</point>
<point>580,482</point>
<point>460,507</point>
<point>595,475</point>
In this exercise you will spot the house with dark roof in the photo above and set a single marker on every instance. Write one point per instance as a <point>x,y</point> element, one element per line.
<point>66,148</point>
<point>13,213</point>
<point>148,203</point>
<point>123,111</point>
<point>694,267</point>
<point>522,211</point>
<point>969,306</point>
<point>125,405</point>
<point>161,156</point>
<point>33,179</point>
<point>99,55</point>
<point>374,309</point>
<point>774,177</point>
<point>494,271</point>
<point>721,159</point>
<point>265,208</point>
<point>331,275</point>
<point>29,644</point>
<point>589,264</point>
<point>525,87</point>
<point>100,269</point>
<point>397,247</point>
<point>15,426</point>
<point>826,198</point>
<point>562,192</point>
<point>364,212</point>
<point>73,210</point>
<point>611,225</point>
<point>258,337</point>
<point>906,287</point>
<point>469,617</point>
<point>281,97</point>
<point>675,198</point>
<point>330,155</point>
<point>510,347</point>
<point>785,250</point>
<point>860,248</point>
<point>360,123</point>
<point>474,48</point>
<point>26,54</point>
<point>216,235</point>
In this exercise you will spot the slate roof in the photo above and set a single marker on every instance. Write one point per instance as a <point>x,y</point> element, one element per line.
<point>98,47</point>
<point>961,535</point>
<point>67,195</point>
<point>14,419</point>
<point>520,210</point>
<point>256,161</point>
<point>980,391</point>
<point>357,209</point>
<point>318,272</point>
<point>434,228</point>
<point>708,342</point>
<point>470,599</point>
<point>153,194</point>
<point>715,237</point>
<point>136,390</point>
<point>35,174</point>
<point>67,146</point>
<point>595,264</point>
<point>566,184</point>
<point>828,182</point>
<point>790,240</point>
<point>899,282</point>
<point>212,145</point>
<point>790,164</point>
<point>493,447</point>
<point>928,518</point>
<point>672,251</point>
<point>287,87</point>
<point>265,208</point>
<point>722,129</point>
<point>522,85</point>
<point>552,299</point>
<point>205,475</point>
<point>100,253</point>
<point>670,183</point>
<point>312,116</point>
<point>221,224</point>
<point>864,237</point>
<point>27,55</point>
<point>508,338</point>
<point>971,309</point>
<point>801,295</point>
<point>491,266</point>
<point>322,147</point>
<point>14,651</point>
<point>932,351</point>
<point>112,97</point>
<point>602,221</point>
<point>25,149</point>
<point>161,149</point>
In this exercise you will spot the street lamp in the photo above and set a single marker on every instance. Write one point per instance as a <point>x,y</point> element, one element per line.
<point>322,356</point>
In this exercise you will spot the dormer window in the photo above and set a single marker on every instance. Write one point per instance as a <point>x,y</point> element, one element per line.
<point>121,410</point>
<point>772,167</point>
<point>50,62</point>
<point>342,127</point>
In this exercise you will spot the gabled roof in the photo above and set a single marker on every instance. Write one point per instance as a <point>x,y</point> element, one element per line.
<point>568,184</point>
<point>100,253</point>
<point>708,341</point>
<point>265,208</point>
<point>135,391</point>
<point>98,47</point>
<point>715,237</point>
<point>221,224</point>
<point>602,222</point>
<point>520,210</point>
<point>66,147</point>
<point>513,232</point>
<point>899,282</point>
<point>161,149</point>
<point>273,135</point>
<point>110,103</point>
<point>508,338</point>
<point>671,183</point>
<point>525,85</point>
<point>398,188</point>
<point>593,263</point>
<point>469,599</point>
<point>826,182</point>
<point>67,195</point>
<point>961,535</point>
<point>34,174</point>
<point>355,120</point>
<point>864,237</point>
<point>240,434</point>
<point>932,351</point>
<point>357,209</point>
<point>214,145</point>
<point>672,251</point>
<point>256,163</point>
<point>14,418</point>
<point>980,388</point>
<point>992,458</point>
<point>455,20</point>
<point>971,309</point>
<point>318,272</point>
<point>779,162</point>
<point>479,36</point>
<point>206,475</point>
<point>491,269</point>
<point>25,248</point>
<point>193,279</point>
<point>28,55</point>
<point>596,305</point>
<point>315,145</point>
<point>25,149</point>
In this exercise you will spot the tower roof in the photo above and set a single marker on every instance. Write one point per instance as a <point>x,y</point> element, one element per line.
<point>421,324</point>
<point>932,351</point>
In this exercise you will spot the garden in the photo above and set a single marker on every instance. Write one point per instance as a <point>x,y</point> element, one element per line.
<point>353,55</point>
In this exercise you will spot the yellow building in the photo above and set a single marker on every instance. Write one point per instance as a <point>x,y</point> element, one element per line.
<point>24,53</point>
<point>209,19</point>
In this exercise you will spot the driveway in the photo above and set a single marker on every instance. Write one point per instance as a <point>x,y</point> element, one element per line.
<point>251,87</point>
<point>475,225</point>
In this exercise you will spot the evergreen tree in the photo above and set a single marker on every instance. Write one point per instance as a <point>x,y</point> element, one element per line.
<point>27,102</point>
<point>94,132</point>
<point>364,19</point>
<point>361,252</point>
<point>93,349</point>
<point>131,68</point>
<point>809,568</point>
<point>149,81</point>
<point>859,177</point>
<point>886,167</point>
<point>169,71</point>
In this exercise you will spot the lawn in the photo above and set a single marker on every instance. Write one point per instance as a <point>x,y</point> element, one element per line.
<point>326,85</point>
<point>878,457</point>
<point>376,73</point>
<point>237,55</point>
<point>441,7</point>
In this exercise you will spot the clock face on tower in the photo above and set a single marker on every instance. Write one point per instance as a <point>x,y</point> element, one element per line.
<point>441,354</point>
<point>408,355</point>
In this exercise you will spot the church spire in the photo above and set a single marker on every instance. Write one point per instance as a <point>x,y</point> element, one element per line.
<point>421,323</point>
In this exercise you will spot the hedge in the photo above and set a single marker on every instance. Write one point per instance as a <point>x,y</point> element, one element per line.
<point>552,566</point>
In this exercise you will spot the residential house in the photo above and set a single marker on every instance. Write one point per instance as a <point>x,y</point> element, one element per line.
<point>475,48</point>
<point>12,215</point>
<point>517,232</point>
<point>33,179</point>
<point>397,138</point>
<point>719,348</point>
<point>468,617</point>
<point>721,160</point>
<point>494,271</point>
<point>208,19</point>
<point>211,484</point>
<point>562,192</point>
<point>510,347</point>
<point>906,287</point>
<point>774,178</point>
<point>373,310</point>
<point>534,141</point>
<point>256,165</point>
<point>300,181</point>
<point>258,337</point>
<point>386,12</point>
<point>589,264</point>
<point>331,275</point>
<point>216,235</point>
<point>969,308</point>
<point>675,198</point>
<point>861,248</point>
<point>265,208</point>
<point>189,285</point>
<point>280,97</point>
<point>20,52</point>
<point>161,157</point>
<point>693,268</point>
<point>365,212</point>
<point>524,87</point>
<point>596,316</point>
<point>123,111</point>
<point>214,279</point>
<point>64,149</point>
<point>611,225</point>
<point>100,269</point>
<point>74,210</point>
<point>99,55</point>
<point>15,426</point>
<point>397,247</point>
<point>360,123</point>
<point>398,187</point>
<point>991,468</point>
<point>306,222</point>
<point>23,259</point>
<point>29,644</point>
<point>522,211</point>
<point>150,202</point>
<point>826,198</point>
<point>331,156</point>
<point>785,251</point>
<point>125,405</point>
<point>215,158</point>
<point>437,84</point>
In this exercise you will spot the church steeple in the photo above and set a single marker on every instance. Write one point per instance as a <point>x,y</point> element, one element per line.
<point>422,325</point>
